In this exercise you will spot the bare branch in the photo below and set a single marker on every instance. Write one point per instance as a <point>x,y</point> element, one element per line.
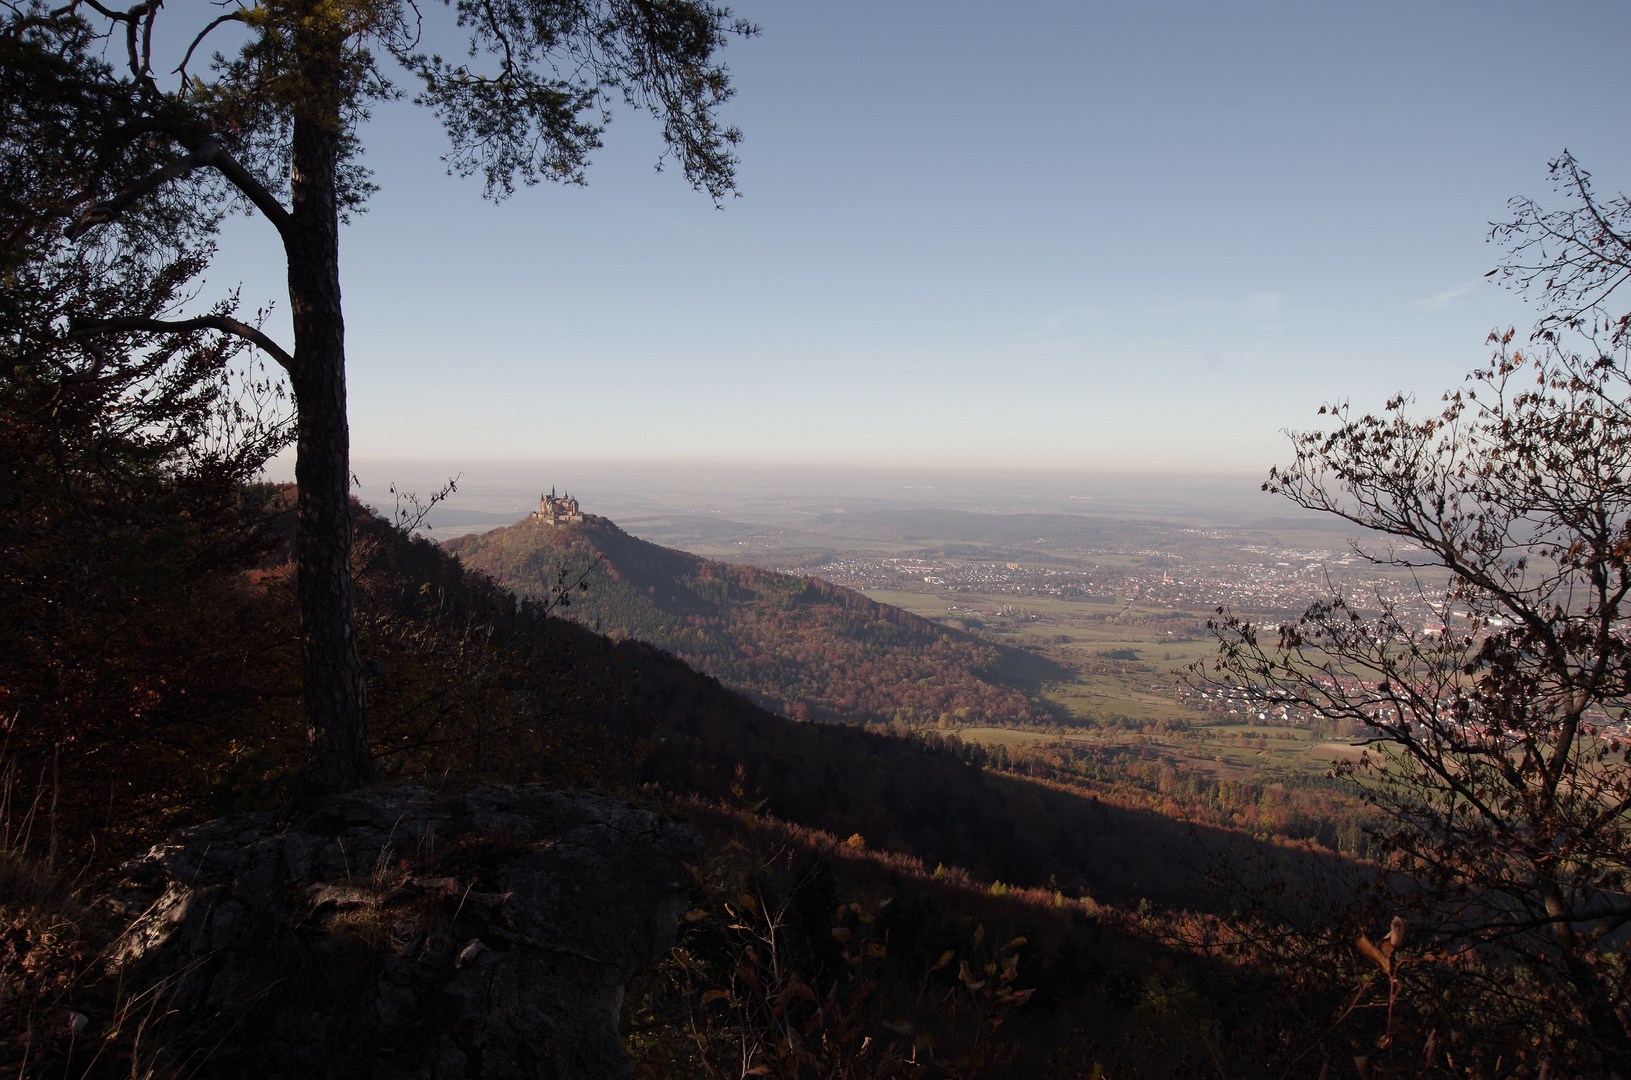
<point>208,152</point>
<point>223,323</point>
<point>252,189</point>
<point>131,24</point>
<point>103,212</point>
<point>147,41</point>
<point>140,16</point>
<point>231,16</point>
<point>108,12</point>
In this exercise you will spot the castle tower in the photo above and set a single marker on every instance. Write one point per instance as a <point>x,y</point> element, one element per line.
<point>557,509</point>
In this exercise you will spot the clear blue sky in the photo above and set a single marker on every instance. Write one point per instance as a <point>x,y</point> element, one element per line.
<point>1083,235</point>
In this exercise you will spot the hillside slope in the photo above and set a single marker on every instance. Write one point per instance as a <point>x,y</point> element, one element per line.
<point>806,648</point>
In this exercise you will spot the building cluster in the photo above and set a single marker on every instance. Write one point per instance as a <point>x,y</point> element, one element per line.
<point>557,510</point>
<point>1376,709</point>
<point>957,575</point>
<point>1284,583</point>
<point>1243,702</point>
<point>1197,572</point>
<point>1254,580</point>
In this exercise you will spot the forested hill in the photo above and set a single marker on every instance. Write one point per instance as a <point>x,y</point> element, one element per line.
<point>803,647</point>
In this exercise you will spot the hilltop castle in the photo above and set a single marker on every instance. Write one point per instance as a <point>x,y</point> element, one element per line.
<point>557,511</point>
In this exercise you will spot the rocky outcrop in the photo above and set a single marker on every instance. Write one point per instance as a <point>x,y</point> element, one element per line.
<point>396,934</point>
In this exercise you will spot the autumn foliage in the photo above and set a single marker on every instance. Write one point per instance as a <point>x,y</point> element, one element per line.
<point>798,645</point>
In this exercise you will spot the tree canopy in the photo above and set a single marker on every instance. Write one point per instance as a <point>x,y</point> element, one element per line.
<point>276,126</point>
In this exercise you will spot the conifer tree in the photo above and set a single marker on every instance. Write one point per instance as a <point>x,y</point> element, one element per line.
<point>277,125</point>
<point>124,457</point>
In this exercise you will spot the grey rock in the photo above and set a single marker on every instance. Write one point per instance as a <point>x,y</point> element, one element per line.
<point>393,934</point>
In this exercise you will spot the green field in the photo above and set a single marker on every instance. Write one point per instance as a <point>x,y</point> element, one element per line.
<point>1116,666</point>
<point>1215,750</point>
<point>1077,636</point>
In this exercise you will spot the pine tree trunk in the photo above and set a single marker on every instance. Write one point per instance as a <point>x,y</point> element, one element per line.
<point>332,675</point>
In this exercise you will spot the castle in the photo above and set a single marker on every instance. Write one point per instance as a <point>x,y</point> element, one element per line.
<point>557,511</point>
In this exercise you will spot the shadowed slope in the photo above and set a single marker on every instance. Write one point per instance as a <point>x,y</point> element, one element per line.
<point>798,645</point>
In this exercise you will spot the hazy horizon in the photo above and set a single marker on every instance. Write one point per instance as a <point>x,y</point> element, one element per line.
<point>498,492</point>
<point>1062,235</point>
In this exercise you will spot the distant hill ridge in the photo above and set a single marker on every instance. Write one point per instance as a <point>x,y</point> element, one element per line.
<point>804,647</point>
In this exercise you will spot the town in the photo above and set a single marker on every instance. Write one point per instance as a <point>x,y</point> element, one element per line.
<point>1259,580</point>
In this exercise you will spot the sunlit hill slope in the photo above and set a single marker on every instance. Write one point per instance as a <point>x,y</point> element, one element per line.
<point>801,646</point>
